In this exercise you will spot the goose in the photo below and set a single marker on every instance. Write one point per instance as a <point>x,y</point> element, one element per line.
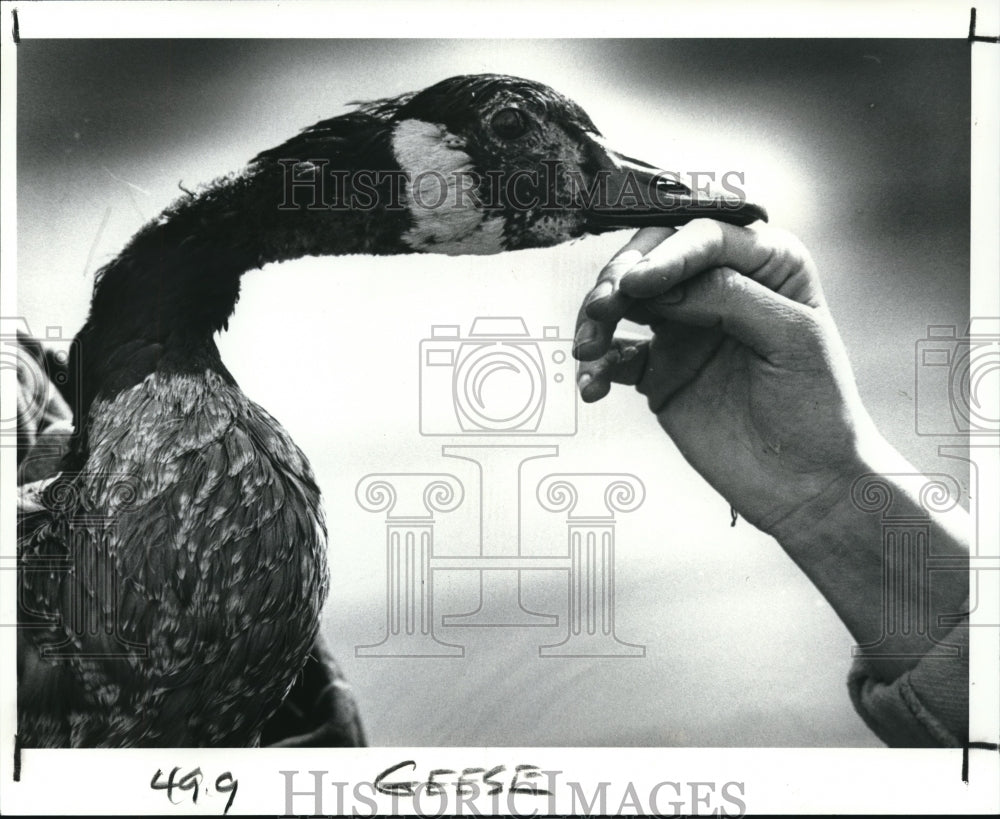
<point>320,710</point>
<point>187,522</point>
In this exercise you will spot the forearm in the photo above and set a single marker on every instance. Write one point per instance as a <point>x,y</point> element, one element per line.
<point>853,548</point>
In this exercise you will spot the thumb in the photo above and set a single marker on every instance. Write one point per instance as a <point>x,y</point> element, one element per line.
<point>741,307</point>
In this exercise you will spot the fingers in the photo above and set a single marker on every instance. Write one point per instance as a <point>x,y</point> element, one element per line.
<point>624,362</point>
<point>658,368</point>
<point>770,256</point>
<point>606,302</point>
<point>757,285</point>
<point>690,321</point>
<point>656,260</point>
<point>767,322</point>
<point>605,305</point>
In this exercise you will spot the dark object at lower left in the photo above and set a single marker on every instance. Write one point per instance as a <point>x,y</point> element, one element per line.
<point>319,712</point>
<point>320,709</point>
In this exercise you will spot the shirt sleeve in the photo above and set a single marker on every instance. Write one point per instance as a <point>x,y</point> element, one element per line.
<point>927,706</point>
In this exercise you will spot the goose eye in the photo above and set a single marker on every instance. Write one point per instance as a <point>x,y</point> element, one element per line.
<point>509,123</point>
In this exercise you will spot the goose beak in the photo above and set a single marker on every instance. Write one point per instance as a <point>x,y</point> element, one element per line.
<point>632,193</point>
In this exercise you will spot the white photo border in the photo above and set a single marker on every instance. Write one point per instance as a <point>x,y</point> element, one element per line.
<point>784,780</point>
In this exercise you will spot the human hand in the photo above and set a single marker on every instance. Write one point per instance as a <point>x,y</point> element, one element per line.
<point>745,370</point>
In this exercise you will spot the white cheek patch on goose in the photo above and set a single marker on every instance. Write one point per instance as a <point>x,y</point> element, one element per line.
<point>438,193</point>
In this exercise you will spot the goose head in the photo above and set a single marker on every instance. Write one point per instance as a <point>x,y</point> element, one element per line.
<point>479,164</point>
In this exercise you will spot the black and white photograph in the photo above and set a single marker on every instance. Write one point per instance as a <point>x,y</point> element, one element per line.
<point>437,408</point>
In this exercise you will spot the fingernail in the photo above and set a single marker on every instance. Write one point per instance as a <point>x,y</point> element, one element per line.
<point>628,259</point>
<point>602,291</point>
<point>591,390</point>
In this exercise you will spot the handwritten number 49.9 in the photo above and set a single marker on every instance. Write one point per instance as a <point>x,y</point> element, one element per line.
<point>191,782</point>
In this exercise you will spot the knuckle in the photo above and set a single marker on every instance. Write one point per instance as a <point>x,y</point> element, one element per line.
<point>788,249</point>
<point>809,331</point>
<point>709,240</point>
<point>724,282</point>
<point>709,231</point>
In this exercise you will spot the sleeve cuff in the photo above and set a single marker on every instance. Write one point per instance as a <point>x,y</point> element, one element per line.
<point>927,706</point>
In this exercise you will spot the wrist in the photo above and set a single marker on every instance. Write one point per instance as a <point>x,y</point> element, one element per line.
<point>864,542</point>
<point>835,509</point>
